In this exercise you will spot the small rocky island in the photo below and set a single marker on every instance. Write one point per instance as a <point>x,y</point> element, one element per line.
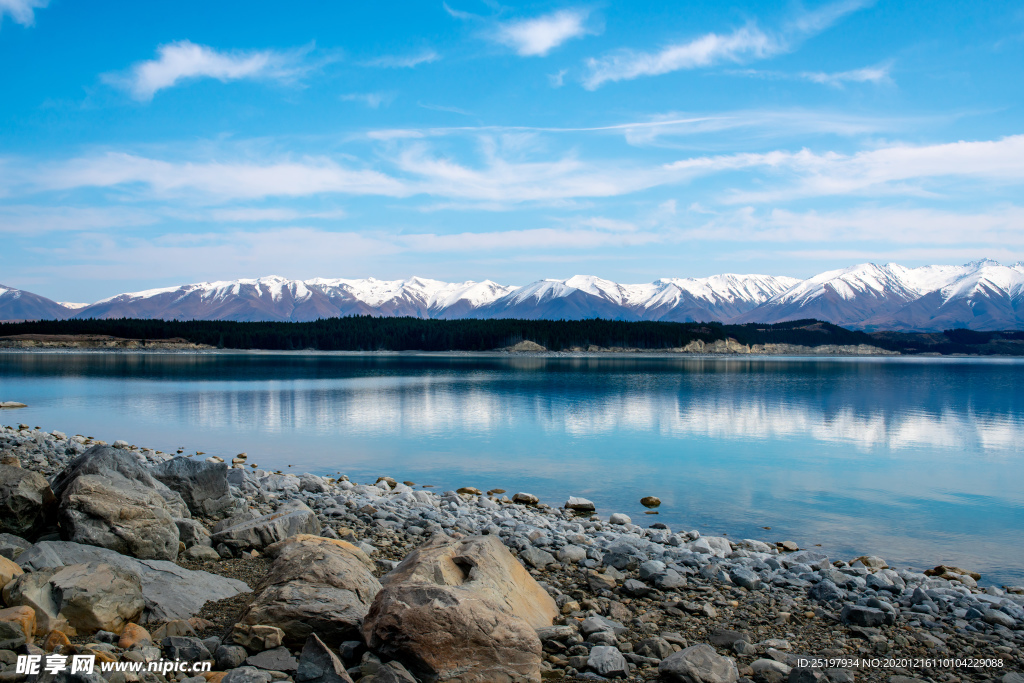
<point>133,555</point>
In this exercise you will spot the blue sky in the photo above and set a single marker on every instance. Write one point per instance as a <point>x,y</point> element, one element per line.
<point>144,144</point>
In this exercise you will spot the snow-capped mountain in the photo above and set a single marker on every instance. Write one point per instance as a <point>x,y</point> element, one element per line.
<point>277,298</point>
<point>983,295</point>
<point>720,297</point>
<point>17,304</point>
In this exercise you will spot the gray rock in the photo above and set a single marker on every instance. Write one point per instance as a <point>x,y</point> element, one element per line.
<point>291,519</point>
<point>620,519</point>
<point>185,649</point>
<point>84,597</point>
<point>192,533</point>
<point>825,591</point>
<point>12,546</point>
<point>202,485</point>
<point>726,637</point>
<point>201,553</point>
<point>635,589</point>
<point>11,635</point>
<point>578,504</point>
<point>571,553</point>
<point>537,558</point>
<point>278,659</point>
<point>670,579</point>
<point>317,664</point>
<point>26,502</point>
<point>655,647</point>
<point>770,671</point>
<point>108,499</point>
<point>698,664</point>
<point>170,591</point>
<point>315,585</point>
<point>996,617</point>
<point>606,660</point>
<point>393,672</point>
<point>229,656</point>
<point>246,674</point>
<point>858,615</point>
<point>1012,677</point>
<point>745,578</point>
<point>598,623</point>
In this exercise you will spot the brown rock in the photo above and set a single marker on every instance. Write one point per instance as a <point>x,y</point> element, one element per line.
<point>54,640</point>
<point>461,610</point>
<point>175,627</point>
<point>650,501</point>
<point>79,598</point>
<point>18,623</point>
<point>946,569</point>
<point>470,491</point>
<point>317,585</point>
<point>8,571</point>
<point>257,637</point>
<point>134,635</point>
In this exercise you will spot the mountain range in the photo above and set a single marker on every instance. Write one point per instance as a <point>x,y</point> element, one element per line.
<point>981,295</point>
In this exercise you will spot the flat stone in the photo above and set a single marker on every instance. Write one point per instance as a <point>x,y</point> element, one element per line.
<point>169,590</point>
<point>578,504</point>
<point>278,659</point>
<point>537,558</point>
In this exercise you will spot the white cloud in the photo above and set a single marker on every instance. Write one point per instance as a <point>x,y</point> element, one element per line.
<point>538,36</point>
<point>184,60</point>
<point>404,61</point>
<point>997,226</point>
<point>234,180</point>
<point>21,11</point>
<point>748,42</point>
<point>373,100</point>
<point>870,74</point>
<point>743,44</point>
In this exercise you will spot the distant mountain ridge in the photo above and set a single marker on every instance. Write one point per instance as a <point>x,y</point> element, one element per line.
<point>981,295</point>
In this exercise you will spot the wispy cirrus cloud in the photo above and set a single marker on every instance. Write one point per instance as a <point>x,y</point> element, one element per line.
<point>409,61</point>
<point>184,61</point>
<point>536,37</point>
<point>373,100</point>
<point>743,44</point>
<point>21,11</point>
<point>877,74</point>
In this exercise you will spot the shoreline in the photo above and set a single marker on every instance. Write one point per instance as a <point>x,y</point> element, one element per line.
<point>588,355</point>
<point>686,586</point>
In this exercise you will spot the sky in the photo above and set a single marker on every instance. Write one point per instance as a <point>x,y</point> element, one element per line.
<point>147,144</point>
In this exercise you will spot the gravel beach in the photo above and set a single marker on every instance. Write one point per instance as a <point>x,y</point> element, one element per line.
<point>301,577</point>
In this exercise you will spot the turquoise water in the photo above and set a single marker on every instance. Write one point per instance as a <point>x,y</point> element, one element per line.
<point>917,460</point>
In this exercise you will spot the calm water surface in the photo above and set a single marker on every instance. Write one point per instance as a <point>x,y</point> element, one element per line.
<point>917,460</point>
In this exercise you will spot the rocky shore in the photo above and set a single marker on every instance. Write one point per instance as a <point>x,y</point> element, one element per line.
<point>133,555</point>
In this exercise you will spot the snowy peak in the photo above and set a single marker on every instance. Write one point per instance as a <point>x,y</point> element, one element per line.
<point>982,295</point>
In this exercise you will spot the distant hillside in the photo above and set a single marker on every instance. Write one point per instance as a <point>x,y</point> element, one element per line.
<point>369,333</point>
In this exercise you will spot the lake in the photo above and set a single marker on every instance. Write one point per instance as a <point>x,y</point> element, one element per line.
<point>918,460</point>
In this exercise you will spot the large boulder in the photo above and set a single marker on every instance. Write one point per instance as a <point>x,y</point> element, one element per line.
<point>26,502</point>
<point>698,664</point>
<point>291,519</point>
<point>79,598</point>
<point>108,499</point>
<point>315,585</point>
<point>170,592</point>
<point>202,485</point>
<point>461,609</point>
